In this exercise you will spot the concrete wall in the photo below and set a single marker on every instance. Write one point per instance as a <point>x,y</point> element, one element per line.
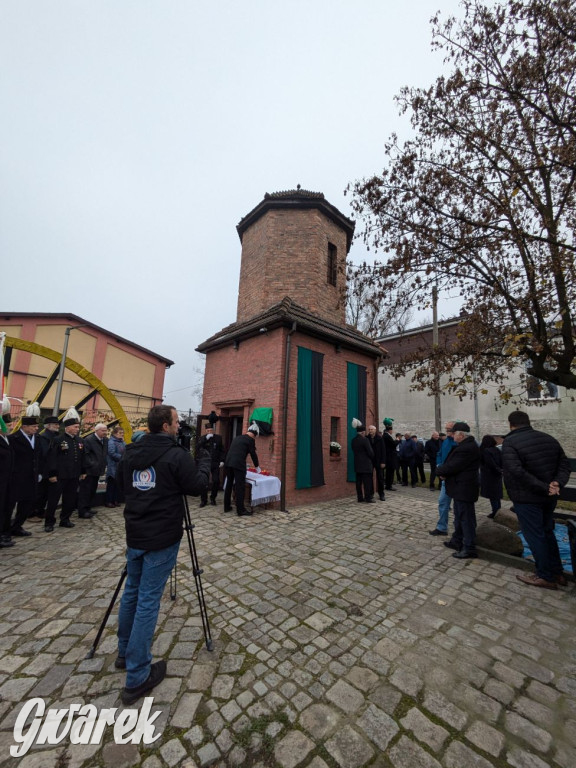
<point>414,411</point>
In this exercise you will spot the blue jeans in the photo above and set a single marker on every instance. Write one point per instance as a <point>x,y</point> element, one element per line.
<point>537,524</point>
<point>148,573</point>
<point>444,502</point>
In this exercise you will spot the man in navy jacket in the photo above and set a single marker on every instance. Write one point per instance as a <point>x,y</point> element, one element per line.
<point>153,474</point>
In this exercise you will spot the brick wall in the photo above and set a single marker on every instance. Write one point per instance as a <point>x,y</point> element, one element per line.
<point>256,371</point>
<point>285,253</point>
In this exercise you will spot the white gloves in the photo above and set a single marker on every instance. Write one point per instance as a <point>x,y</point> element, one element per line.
<point>258,470</point>
<point>221,464</point>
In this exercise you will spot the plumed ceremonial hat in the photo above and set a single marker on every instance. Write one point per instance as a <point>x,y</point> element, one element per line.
<point>72,417</point>
<point>32,415</point>
<point>358,426</point>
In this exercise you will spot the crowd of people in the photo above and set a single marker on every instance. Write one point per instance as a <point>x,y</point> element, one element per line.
<point>42,468</point>
<point>531,464</point>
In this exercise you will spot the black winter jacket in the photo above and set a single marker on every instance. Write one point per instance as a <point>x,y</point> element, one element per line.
<point>461,470</point>
<point>377,444</point>
<point>95,455</point>
<point>153,475</point>
<point>363,455</point>
<point>531,461</point>
<point>240,447</point>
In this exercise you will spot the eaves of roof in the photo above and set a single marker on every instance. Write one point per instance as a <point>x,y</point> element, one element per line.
<point>76,320</point>
<point>285,314</point>
<point>297,199</point>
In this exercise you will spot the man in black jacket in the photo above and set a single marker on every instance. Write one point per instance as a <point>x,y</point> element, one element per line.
<point>213,444</point>
<point>153,475</point>
<point>25,471</point>
<point>363,464</point>
<point>390,456</point>
<point>46,443</point>
<point>235,464</point>
<point>431,448</point>
<point>460,472</point>
<point>65,471</point>
<point>95,460</point>
<point>535,470</point>
<point>377,445</point>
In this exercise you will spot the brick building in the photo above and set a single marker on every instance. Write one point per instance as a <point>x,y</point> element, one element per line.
<point>290,349</point>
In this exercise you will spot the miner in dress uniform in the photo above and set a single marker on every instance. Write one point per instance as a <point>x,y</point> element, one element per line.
<point>65,472</point>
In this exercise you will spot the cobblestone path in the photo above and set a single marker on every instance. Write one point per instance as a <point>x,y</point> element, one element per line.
<point>344,636</point>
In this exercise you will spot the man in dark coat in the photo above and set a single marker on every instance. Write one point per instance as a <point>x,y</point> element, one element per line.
<point>363,465</point>
<point>390,456</point>
<point>65,472</point>
<point>95,460</point>
<point>5,475</point>
<point>235,464</point>
<point>46,444</point>
<point>460,473</point>
<point>431,448</point>
<point>25,471</point>
<point>535,470</point>
<point>212,443</point>
<point>377,445</point>
<point>153,474</point>
<point>407,455</point>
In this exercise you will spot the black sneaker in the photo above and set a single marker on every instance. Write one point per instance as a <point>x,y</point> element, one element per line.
<point>49,528</point>
<point>450,544</point>
<point>213,502</point>
<point>157,674</point>
<point>464,554</point>
<point>245,513</point>
<point>66,524</point>
<point>120,662</point>
<point>437,532</point>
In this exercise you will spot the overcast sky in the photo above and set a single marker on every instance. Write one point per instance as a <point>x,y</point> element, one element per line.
<point>135,134</point>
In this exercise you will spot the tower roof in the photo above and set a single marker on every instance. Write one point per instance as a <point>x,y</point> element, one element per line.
<point>297,199</point>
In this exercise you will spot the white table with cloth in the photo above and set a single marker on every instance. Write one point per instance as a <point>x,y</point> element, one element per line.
<point>264,488</point>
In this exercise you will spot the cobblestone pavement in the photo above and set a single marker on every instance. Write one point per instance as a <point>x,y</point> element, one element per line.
<point>345,636</point>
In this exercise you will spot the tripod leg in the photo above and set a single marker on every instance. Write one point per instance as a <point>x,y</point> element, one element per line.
<point>197,571</point>
<point>173,575</point>
<point>92,650</point>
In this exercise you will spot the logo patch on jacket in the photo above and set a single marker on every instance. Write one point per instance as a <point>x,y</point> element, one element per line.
<point>144,479</point>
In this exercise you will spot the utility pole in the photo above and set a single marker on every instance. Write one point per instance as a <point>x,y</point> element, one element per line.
<point>56,407</point>
<point>437,414</point>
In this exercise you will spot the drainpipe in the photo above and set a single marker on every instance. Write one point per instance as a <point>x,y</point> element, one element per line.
<point>285,418</point>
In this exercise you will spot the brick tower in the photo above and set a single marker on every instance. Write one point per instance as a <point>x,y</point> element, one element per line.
<point>290,352</point>
<point>294,244</point>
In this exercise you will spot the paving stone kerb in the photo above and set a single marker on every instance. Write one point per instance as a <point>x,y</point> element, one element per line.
<point>344,636</point>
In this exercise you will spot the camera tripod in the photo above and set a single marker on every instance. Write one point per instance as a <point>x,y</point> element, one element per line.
<point>196,570</point>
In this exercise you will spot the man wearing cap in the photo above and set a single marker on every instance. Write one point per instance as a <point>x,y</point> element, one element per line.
<point>66,470</point>
<point>363,464</point>
<point>235,467</point>
<point>25,470</point>
<point>95,460</point>
<point>213,444</point>
<point>46,444</point>
<point>460,473</point>
<point>535,470</point>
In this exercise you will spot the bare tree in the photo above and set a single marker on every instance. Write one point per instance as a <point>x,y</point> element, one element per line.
<point>482,199</point>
